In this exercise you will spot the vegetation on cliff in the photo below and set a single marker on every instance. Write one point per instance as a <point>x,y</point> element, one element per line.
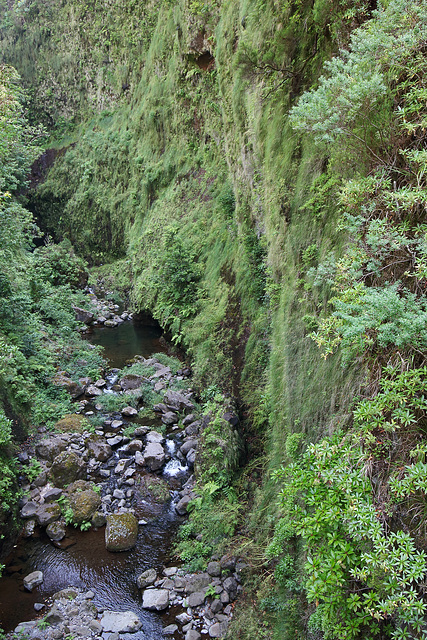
<point>262,203</point>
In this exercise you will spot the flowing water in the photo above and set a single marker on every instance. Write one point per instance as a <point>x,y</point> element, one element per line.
<point>86,563</point>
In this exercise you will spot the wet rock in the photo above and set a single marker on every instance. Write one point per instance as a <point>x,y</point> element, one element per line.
<point>133,446</point>
<point>66,468</point>
<point>33,580</point>
<point>98,520</point>
<point>29,528</point>
<point>146,579</point>
<point>121,532</point>
<point>56,530</point>
<point>188,445</point>
<point>183,618</point>
<point>155,599</point>
<point>120,622</point>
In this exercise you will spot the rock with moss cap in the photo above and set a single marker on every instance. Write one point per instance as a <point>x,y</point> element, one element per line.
<point>121,532</point>
<point>66,468</point>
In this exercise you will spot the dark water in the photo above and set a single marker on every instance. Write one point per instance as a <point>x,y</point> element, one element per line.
<point>127,340</point>
<point>87,564</point>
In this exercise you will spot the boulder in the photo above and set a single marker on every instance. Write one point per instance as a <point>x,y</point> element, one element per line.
<point>33,580</point>
<point>131,381</point>
<point>155,436</point>
<point>170,418</point>
<point>82,315</point>
<point>129,411</point>
<point>155,599</point>
<point>74,388</point>
<point>50,448</point>
<point>121,532</point>
<point>48,513</point>
<point>56,530</point>
<point>66,468</point>
<point>192,634</point>
<point>154,456</point>
<point>84,505</point>
<point>181,507</point>
<point>94,391</point>
<point>197,582</point>
<point>120,622</point>
<point>188,445</point>
<point>146,579</point>
<point>98,448</point>
<point>218,629</point>
<point>177,400</point>
<point>214,569</point>
<point>196,599</point>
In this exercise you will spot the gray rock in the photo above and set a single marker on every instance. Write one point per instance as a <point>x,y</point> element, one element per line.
<point>196,599</point>
<point>154,456</point>
<point>122,465</point>
<point>197,582</point>
<point>178,400</point>
<point>155,599</point>
<point>170,571</point>
<point>133,446</point>
<point>183,618</point>
<point>129,411</point>
<point>99,449</point>
<point>38,606</point>
<point>131,381</point>
<point>67,467</point>
<point>181,507</point>
<point>193,428</point>
<point>230,585</point>
<point>82,315</point>
<point>189,444</point>
<point>114,441</point>
<point>218,630</point>
<point>120,622</point>
<point>146,578</point>
<point>216,606</point>
<point>93,391</point>
<point>170,629</point>
<point>192,634</point>
<point>52,494</point>
<point>50,448</point>
<point>115,424</point>
<point>155,436</point>
<point>169,418</point>
<point>47,513</point>
<point>33,580</point>
<point>29,509</point>
<point>214,569</point>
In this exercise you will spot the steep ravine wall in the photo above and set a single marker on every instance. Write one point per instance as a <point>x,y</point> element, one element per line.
<point>177,159</point>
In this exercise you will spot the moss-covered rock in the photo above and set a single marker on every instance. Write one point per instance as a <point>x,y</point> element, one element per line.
<point>66,468</point>
<point>72,423</point>
<point>121,532</point>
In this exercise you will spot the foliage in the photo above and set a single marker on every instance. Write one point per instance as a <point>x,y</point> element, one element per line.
<point>357,571</point>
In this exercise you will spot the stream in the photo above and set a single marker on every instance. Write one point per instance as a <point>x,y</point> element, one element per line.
<point>84,561</point>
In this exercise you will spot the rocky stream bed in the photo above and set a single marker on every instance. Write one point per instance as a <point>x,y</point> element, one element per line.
<point>128,484</point>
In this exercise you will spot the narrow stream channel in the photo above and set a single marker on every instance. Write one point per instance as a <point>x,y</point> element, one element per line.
<point>86,563</point>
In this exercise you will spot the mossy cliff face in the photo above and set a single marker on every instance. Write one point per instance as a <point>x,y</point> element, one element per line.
<point>175,155</point>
